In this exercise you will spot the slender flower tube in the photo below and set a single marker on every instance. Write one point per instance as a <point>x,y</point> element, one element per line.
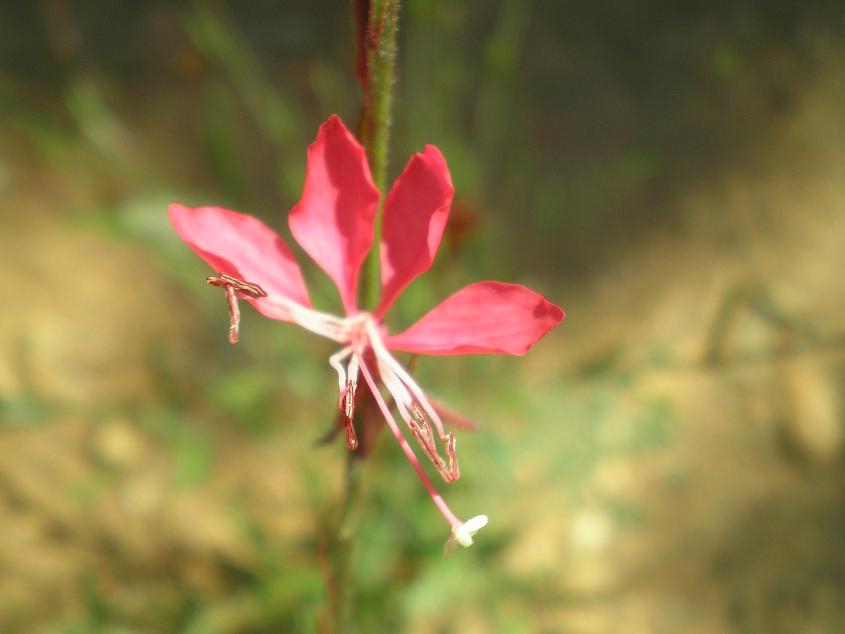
<point>333,222</point>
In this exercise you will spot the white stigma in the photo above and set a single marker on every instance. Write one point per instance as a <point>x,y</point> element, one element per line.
<point>463,532</point>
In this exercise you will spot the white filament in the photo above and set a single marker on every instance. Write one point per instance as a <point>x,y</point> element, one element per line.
<point>335,362</point>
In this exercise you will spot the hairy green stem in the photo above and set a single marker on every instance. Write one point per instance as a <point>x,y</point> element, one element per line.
<point>345,532</point>
<point>377,47</point>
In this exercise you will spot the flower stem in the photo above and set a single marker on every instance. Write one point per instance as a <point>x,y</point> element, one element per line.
<point>378,22</point>
<point>346,530</point>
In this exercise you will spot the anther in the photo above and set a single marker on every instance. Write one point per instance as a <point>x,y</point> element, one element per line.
<point>421,429</point>
<point>234,286</point>
<point>454,467</point>
<point>420,423</point>
<point>350,399</point>
<point>348,412</point>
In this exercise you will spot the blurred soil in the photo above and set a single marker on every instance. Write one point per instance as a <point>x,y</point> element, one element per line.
<point>734,322</point>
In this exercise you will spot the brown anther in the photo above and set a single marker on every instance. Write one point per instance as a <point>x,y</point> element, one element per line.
<point>348,406</point>
<point>454,467</point>
<point>233,287</point>
<point>421,429</point>
<point>421,424</point>
<point>241,286</point>
<point>349,401</point>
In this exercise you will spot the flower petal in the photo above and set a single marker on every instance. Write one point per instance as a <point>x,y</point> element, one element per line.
<point>415,215</point>
<point>482,318</point>
<point>244,247</point>
<point>333,221</point>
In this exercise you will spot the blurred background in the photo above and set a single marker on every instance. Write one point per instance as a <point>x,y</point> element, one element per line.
<point>670,460</point>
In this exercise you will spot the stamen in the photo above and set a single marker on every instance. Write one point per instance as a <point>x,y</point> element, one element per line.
<point>421,429</point>
<point>247,288</point>
<point>421,423</point>
<point>234,286</point>
<point>451,449</point>
<point>348,411</point>
<point>347,385</point>
<point>234,315</point>
<point>349,399</point>
<point>349,404</point>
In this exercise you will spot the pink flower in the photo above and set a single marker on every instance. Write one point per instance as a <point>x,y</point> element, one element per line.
<point>333,222</point>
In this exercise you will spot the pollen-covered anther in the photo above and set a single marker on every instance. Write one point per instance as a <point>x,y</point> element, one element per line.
<point>234,286</point>
<point>451,453</point>
<point>462,533</point>
<point>420,425</point>
<point>423,434</point>
<point>348,413</point>
<point>349,399</point>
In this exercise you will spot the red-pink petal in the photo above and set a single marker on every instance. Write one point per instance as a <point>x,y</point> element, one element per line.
<point>333,221</point>
<point>415,215</point>
<point>244,247</point>
<point>482,318</point>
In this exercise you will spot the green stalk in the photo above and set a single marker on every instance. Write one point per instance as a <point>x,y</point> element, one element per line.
<point>378,45</point>
<point>344,537</point>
